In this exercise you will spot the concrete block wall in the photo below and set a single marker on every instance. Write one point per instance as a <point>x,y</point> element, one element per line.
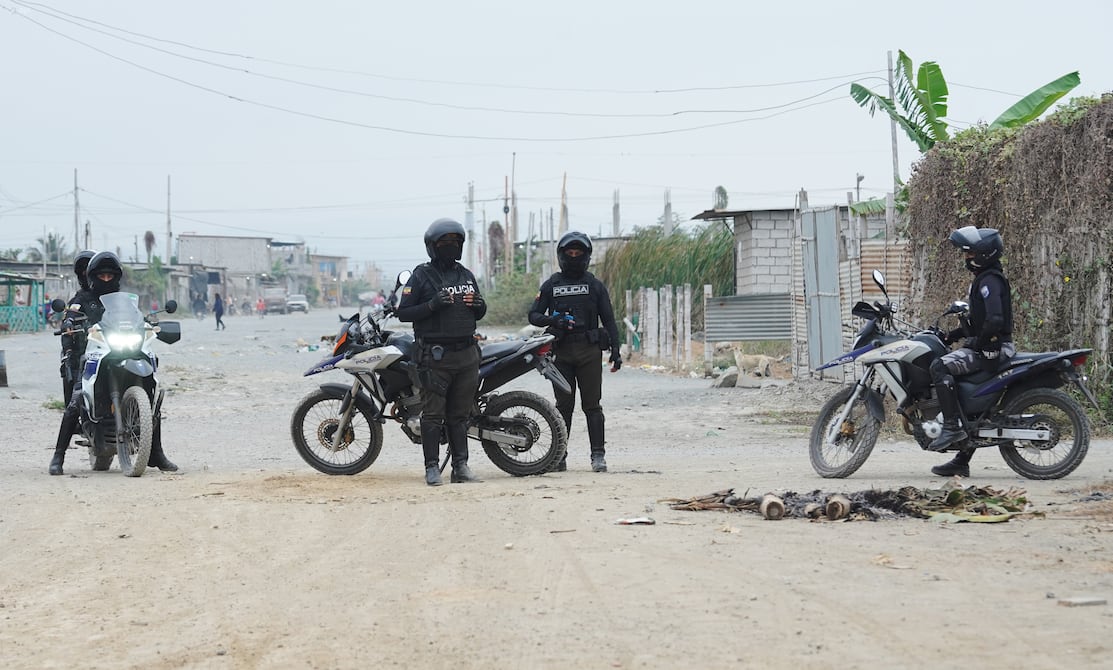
<point>763,246</point>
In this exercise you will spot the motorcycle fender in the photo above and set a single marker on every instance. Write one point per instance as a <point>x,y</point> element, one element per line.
<point>139,367</point>
<point>341,390</point>
<point>549,371</point>
<point>875,404</point>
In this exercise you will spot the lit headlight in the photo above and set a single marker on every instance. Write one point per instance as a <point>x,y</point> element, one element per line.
<point>124,341</point>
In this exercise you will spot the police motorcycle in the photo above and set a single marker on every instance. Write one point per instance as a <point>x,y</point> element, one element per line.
<point>1040,431</point>
<point>121,401</point>
<point>338,428</point>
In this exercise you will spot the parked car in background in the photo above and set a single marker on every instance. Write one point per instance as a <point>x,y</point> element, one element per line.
<point>297,303</point>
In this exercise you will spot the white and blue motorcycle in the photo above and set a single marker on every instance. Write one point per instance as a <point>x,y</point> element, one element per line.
<point>121,402</point>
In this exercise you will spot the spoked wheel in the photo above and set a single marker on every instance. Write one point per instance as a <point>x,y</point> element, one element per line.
<point>313,427</point>
<point>838,451</point>
<point>1069,434</point>
<point>133,444</point>
<point>534,420</point>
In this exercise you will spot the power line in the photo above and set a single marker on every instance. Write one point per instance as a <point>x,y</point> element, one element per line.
<point>471,84</point>
<point>404,131</point>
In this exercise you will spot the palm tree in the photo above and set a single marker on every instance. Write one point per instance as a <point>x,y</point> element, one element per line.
<point>51,249</point>
<point>10,254</point>
<point>149,243</point>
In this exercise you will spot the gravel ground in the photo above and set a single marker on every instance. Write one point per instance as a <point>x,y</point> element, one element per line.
<point>249,558</point>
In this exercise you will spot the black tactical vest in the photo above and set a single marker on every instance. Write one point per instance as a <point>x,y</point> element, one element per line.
<point>977,308</point>
<point>453,323</point>
<point>577,297</point>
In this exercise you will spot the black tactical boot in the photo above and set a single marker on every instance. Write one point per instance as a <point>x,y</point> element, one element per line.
<point>948,405</point>
<point>596,436</point>
<point>433,474</point>
<point>957,466</point>
<point>562,466</point>
<point>158,458</point>
<point>458,444</point>
<point>58,460</point>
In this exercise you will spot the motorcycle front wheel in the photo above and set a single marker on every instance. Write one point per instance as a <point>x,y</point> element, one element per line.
<point>1058,456</point>
<point>538,421</point>
<point>853,439</point>
<point>315,422</point>
<point>133,445</point>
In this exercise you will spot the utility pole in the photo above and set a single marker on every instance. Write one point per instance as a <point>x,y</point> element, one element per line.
<point>88,234</point>
<point>893,129</point>
<point>76,213</point>
<point>506,245</point>
<point>563,206</point>
<point>615,218</point>
<point>668,213</point>
<point>469,223</point>
<point>513,227</point>
<point>169,235</point>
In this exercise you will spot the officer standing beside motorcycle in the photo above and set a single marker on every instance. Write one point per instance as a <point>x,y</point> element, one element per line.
<point>988,331</point>
<point>572,303</point>
<point>103,275</point>
<point>443,302</point>
<point>73,344</point>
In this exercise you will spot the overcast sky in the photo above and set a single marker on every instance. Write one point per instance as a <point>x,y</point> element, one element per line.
<point>352,125</point>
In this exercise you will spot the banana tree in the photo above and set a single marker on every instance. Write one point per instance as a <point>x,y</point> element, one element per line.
<point>1035,103</point>
<point>922,101</point>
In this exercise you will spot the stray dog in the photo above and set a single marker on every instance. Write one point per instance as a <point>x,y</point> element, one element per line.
<point>758,365</point>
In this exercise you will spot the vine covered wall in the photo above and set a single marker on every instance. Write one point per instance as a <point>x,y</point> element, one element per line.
<point>1048,188</point>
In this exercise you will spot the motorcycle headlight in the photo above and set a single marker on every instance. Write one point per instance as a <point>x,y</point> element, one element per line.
<point>124,341</point>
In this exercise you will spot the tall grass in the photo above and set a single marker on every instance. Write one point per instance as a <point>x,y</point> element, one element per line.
<point>701,255</point>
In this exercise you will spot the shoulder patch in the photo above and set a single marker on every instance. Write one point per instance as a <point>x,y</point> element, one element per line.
<point>984,291</point>
<point>407,289</point>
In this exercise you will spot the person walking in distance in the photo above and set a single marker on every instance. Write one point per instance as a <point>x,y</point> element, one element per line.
<point>443,302</point>
<point>218,312</point>
<point>988,338</point>
<point>572,303</point>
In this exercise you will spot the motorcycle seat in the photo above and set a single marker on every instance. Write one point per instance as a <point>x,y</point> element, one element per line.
<point>1025,357</point>
<point>496,350</point>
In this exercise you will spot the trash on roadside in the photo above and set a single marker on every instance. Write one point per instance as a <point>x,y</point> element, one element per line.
<point>636,521</point>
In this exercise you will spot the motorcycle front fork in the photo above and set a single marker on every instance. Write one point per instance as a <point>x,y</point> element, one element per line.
<point>836,426</point>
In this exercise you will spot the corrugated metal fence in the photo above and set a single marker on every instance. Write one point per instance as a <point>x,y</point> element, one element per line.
<point>748,317</point>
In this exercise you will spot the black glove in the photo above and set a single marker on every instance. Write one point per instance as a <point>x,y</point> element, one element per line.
<point>441,300</point>
<point>474,300</point>
<point>616,361</point>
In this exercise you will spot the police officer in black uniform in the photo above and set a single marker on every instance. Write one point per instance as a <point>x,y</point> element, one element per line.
<point>73,344</point>
<point>443,301</point>
<point>572,303</point>
<point>988,331</point>
<point>103,275</point>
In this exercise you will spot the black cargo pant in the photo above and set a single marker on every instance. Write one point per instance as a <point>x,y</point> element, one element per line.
<point>580,361</point>
<point>448,389</point>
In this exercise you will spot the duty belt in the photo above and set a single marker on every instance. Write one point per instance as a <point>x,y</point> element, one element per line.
<point>456,345</point>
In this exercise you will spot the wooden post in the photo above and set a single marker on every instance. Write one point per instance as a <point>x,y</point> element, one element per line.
<point>838,507</point>
<point>772,508</point>
<point>706,341</point>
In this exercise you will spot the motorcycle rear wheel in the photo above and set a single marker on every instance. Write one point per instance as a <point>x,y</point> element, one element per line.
<point>1070,429</point>
<point>315,421</point>
<point>133,445</point>
<point>549,437</point>
<point>854,443</point>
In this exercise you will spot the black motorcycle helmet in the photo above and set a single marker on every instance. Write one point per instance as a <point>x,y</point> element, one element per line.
<point>576,266</point>
<point>439,229</point>
<point>80,264</point>
<point>983,246</point>
<point>104,262</point>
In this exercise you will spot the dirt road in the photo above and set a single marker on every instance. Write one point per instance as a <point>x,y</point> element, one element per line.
<point>247,558</point>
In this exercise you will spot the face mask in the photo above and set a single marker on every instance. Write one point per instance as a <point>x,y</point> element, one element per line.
<point>447,253</point>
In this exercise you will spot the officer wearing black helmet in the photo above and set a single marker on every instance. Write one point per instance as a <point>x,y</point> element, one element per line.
<point>443,302</point>
<point>73,344</point>
<point>988,334</point>
<point>572,303</point>
<point>103,274</point>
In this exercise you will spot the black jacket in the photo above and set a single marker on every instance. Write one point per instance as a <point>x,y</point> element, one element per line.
<point>451,323</point>
<point>585,298</point>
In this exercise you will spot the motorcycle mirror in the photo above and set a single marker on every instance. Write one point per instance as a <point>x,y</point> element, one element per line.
<point>959,307</point>
<point>403,277</point>
<point>58,305</point>
<point>171,306</point>
<point>879,279</point>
